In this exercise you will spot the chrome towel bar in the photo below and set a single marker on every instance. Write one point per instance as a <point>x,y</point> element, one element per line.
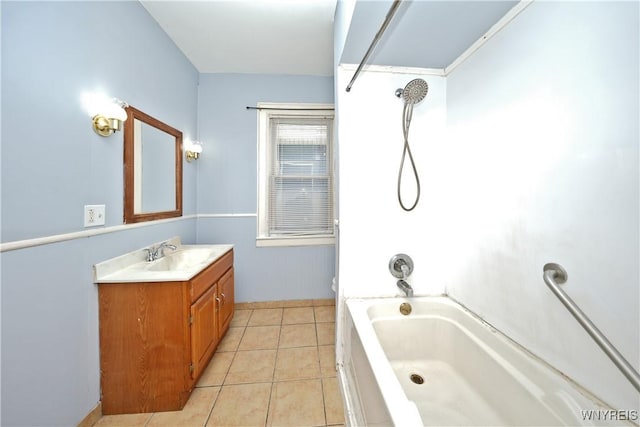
<point>554,275</point>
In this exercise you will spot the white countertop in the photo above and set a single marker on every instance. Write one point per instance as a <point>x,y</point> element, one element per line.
<point>133,267</point>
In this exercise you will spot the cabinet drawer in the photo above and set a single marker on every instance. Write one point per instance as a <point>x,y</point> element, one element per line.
<point>210,275</point>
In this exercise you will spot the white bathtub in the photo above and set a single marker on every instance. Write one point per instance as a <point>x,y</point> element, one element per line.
<point>472,374</point>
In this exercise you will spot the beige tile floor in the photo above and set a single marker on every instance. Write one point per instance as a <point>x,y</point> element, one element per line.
<point>274,367</point>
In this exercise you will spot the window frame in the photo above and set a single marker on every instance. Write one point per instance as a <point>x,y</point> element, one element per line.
<point>267,110</point>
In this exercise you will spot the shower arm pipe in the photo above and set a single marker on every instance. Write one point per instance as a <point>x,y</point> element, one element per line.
<point>554,275</point>
<point>383,27</point>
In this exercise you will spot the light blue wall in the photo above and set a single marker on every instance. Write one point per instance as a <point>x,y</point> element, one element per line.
<point>52,160</point>
<point>269,274</point>
<point>227,184</point>
<point>53,164</point>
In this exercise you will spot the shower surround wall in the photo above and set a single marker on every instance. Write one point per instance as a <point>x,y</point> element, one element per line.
<point>543,162</point>
<point>532,158</point>
<point>373,226</point>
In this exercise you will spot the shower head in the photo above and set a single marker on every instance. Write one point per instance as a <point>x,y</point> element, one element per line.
<point>414,91</point>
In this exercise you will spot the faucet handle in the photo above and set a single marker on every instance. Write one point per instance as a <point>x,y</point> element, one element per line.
<point>405,269</point>
<point>150,252</point>
<point>401,266</point>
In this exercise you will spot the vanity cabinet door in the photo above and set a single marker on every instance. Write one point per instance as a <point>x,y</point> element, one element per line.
<point>144,329</point>
<point>203,330</point>
<point>225,292</point>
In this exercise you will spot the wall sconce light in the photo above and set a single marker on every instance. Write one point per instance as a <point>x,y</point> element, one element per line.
<point>192,150</point>
<point>107,113</point>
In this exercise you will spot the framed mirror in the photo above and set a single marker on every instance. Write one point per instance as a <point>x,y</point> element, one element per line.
<point>152,168</point>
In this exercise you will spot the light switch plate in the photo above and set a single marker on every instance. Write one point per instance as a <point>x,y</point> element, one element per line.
<point>94,215</point>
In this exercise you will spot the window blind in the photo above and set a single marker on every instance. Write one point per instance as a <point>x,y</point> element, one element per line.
<point>300,188</point>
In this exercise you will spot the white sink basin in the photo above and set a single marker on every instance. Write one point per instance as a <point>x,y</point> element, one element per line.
<point>181,259</point>
<point>176,265</point>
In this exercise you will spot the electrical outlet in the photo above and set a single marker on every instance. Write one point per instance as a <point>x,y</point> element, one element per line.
<point>93,215</point>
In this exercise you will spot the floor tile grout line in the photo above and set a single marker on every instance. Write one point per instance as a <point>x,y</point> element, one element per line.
<point>206,421</point>
<point>273,374</point>
<point>146,423</point>
<point>275,363</point>
<point>324,401</point>
<point>266,421</point>
<point>235,353</point>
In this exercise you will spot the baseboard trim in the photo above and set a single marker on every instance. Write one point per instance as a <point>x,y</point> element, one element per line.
<point>92,417</point>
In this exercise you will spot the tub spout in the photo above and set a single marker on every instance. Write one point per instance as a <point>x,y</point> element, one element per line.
<point>405,287</point>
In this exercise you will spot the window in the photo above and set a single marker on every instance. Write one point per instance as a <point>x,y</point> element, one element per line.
<point>295,175</point>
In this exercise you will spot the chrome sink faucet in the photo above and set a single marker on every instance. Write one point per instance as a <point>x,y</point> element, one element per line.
<point>401,267</point>
<point>157,253</point>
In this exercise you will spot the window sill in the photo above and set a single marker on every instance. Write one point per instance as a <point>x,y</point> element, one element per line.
<point>295,241</point>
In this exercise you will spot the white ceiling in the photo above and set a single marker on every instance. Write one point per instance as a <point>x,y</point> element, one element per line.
<point>296,36</point>
<point>251,36</point>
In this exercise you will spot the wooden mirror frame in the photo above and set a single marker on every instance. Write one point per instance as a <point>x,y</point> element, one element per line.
<point>129,215</point>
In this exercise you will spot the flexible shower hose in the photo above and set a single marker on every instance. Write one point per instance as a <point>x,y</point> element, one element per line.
<point>407,112</point>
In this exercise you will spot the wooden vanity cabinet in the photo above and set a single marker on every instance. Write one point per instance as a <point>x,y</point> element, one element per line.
<point>156,338</point>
